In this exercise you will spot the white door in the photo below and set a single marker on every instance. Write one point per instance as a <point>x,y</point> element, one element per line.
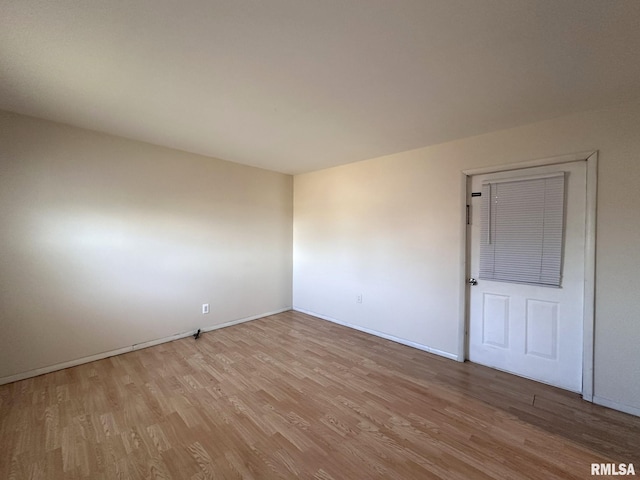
<point>531,330</point>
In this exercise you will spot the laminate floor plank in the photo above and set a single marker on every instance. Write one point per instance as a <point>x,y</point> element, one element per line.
<point>292,396</point>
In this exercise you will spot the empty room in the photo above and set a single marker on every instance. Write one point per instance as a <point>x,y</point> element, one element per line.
<point>319,239</point>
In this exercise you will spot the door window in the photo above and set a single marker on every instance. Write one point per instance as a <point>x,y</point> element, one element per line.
<point>522,230</point>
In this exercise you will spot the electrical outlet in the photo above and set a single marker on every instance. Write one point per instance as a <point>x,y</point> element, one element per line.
<point>359,298</point>
<point>205,308</point>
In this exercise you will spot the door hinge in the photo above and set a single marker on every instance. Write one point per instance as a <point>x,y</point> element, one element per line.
<point>468,216</point>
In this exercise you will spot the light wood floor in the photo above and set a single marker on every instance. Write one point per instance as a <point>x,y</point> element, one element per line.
<point>293,396</point>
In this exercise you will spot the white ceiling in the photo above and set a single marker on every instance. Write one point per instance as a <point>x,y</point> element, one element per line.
<point>300,85</point>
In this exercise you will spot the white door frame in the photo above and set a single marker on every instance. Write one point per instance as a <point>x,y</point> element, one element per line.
<point>591,158</point>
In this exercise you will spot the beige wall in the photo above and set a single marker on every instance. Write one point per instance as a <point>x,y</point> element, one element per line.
<point>390,229</point>
<point>106,243</point>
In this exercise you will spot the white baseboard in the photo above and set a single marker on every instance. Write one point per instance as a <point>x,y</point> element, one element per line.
<point>605,402</point>
<point>137,346</point>
<point>386,336</point>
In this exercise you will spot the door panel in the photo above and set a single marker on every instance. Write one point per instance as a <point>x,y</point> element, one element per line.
<point>495,320</point>
<point>542,329</point>
<point>531,330</point>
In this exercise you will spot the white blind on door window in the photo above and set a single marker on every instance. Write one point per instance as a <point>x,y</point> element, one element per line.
<point>522,230</point>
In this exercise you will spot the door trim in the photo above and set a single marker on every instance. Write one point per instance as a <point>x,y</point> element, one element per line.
<point>591,157</point>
